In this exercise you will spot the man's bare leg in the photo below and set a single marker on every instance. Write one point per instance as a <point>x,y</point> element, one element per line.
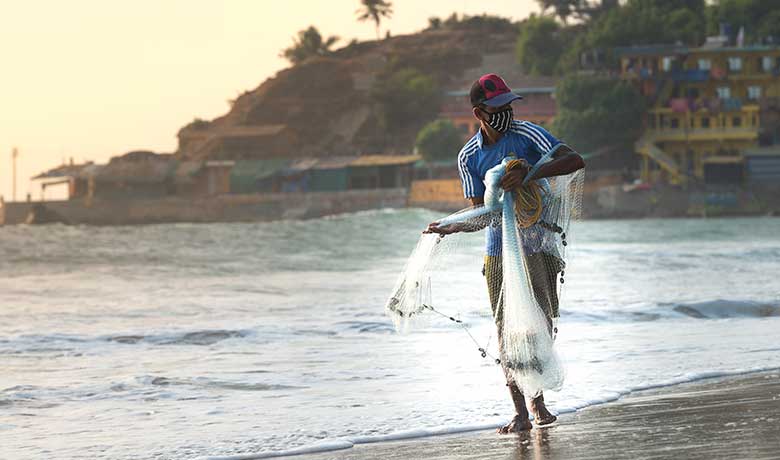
<point>520,422</point>
<point>541,415</point>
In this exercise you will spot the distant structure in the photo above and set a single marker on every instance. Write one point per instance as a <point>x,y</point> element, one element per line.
<point>14,155</point>
<point>708,107</point>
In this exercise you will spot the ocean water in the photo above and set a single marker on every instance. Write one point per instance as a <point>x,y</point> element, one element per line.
<point>251,340</point>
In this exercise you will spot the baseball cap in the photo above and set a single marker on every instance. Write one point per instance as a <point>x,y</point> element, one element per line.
<point>492,91</point>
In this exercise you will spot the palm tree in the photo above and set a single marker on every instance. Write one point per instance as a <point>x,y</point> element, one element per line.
<point>308,43</point>
<point>374,10</point>
<point>562,8</point>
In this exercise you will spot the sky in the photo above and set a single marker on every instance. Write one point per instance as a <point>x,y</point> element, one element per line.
<point>91,79</point>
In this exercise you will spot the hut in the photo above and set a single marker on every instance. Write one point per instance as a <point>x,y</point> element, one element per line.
<point>381,171</point>
<point>138,174</point>
<point>202,178</point>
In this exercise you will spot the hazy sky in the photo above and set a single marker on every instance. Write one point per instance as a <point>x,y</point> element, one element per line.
<point>90,79</point>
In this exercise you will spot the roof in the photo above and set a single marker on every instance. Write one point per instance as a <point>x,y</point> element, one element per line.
<point>731,49</point>
<point>258,169</point>
<point>384,160</point>
<point>659,50</point>
<point>770,151</point>
<point>139,167</point>
<point>650,50</point>
<point>302,165</point>
<point>65,170</point>
<point>337,162</point>
<point>521,91</point>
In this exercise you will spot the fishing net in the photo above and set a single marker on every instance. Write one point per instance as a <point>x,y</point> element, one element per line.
<point>528,233</point>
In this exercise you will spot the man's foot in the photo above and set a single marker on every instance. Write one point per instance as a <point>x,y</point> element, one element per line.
<point>517,425</point>
<point>542,416</point>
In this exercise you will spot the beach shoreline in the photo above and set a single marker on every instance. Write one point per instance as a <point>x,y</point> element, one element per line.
<point>718,417</point>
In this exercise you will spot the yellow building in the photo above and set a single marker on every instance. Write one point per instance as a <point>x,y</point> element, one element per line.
<point>706,105</point>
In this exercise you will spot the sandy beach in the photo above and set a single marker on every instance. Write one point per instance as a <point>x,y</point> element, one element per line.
<point>734,417</point>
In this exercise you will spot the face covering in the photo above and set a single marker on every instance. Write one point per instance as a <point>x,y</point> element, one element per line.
<point>501,121</point>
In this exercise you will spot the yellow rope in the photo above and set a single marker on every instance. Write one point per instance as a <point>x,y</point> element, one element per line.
<point>528,200</point>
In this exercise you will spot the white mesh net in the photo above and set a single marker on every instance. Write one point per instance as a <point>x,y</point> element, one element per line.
<point>527,237</point>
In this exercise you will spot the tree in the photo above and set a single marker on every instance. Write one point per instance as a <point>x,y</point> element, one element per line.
<point>407,99</point>
<point>308,43</point>
<point>646,22</point>
<point>561,8</point>
<point>758,17</point>
<point>598,114</point>
<point>375,10</point>
<point>439,140</point>
<point>539,46</point>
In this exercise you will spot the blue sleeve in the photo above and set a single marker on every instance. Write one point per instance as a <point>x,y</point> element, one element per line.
<point>539,138</point>
<point>473,187</point>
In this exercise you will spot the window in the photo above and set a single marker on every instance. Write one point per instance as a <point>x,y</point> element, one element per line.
<point>705,122</point>
<point>675,123</point>
<point>704,64</point>
<point>754,92</point>
<point>724,92</point>
<point>736,122</point>
<point>753,120</point>
<point>735,64</point>
<point>766,63</point>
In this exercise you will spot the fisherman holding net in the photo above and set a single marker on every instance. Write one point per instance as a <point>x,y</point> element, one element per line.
<point>510,149</point>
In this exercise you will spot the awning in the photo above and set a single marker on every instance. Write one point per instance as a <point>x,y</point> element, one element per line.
<point>384,160</point>
<point>258,169</point>
<point>300,166</point>
<point>337,162</point>
<point>66,170</point>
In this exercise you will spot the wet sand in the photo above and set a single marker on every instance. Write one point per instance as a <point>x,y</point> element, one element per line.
<point>734,417</point>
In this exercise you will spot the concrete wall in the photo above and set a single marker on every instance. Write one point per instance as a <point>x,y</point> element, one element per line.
<point>439,194</point>
<point>223,208</point>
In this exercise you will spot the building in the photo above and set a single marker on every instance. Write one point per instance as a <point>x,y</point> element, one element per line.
<point>707,105</point>
<point>382,171</point>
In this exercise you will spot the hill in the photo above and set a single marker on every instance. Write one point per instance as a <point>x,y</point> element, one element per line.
<point>344,103</point>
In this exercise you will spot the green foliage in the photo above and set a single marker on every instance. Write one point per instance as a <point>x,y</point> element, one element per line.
<point>439,140</point>
<point>540,45</point>
<point>406,98</point>
<point>644,22</point>
<point>596,114</point>
<point>375,10</point>
<point>758,17</point>
<point>483,22</point>
<point>308,43</point>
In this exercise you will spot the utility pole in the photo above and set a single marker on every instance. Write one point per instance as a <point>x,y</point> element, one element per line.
<point>14,154</point>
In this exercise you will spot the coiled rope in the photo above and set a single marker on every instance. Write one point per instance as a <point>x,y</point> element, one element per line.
<point>528,200</point>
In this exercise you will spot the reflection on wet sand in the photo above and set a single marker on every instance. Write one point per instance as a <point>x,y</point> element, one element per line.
<point>734,417</point>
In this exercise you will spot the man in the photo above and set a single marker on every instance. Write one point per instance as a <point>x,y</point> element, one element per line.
<point>499,136</point>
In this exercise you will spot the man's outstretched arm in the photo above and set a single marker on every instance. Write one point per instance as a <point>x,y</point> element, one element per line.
<point>458,227</point>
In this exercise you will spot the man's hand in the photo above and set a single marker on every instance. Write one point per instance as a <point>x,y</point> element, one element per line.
<point>433,227</point>
<point>514,178</point>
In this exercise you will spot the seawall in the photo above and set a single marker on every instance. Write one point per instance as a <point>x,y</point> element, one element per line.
<point>223,208</point>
